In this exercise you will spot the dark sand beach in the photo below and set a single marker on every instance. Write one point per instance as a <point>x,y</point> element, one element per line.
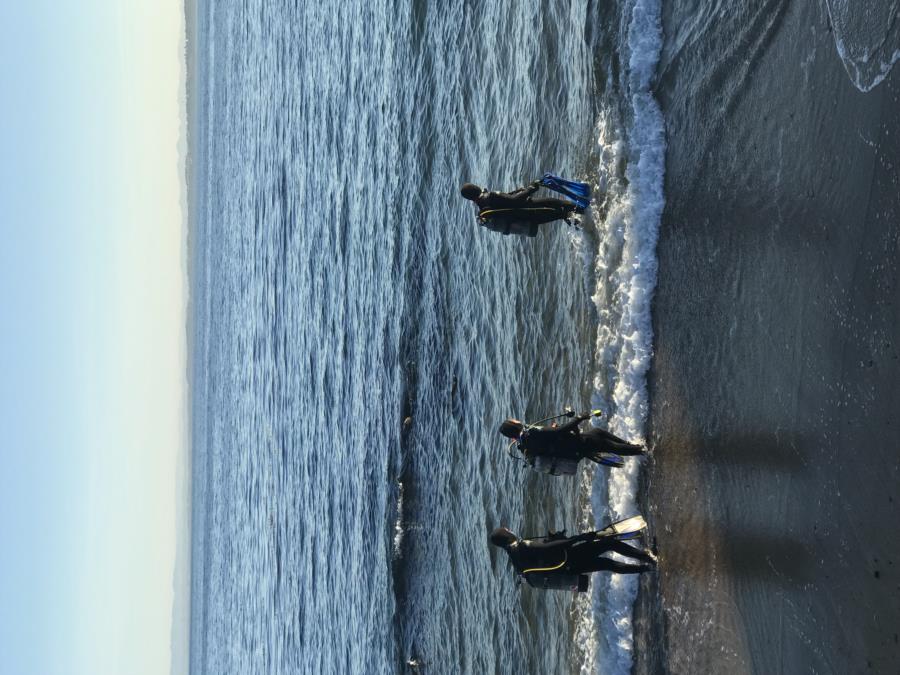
<point>775,414</point>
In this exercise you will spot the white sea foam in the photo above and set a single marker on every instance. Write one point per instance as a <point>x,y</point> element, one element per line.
<point>625,272</point>
<point>398,521</point>
<point>867,54</point>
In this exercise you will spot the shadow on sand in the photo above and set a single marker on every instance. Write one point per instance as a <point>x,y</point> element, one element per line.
<point>757,450</point>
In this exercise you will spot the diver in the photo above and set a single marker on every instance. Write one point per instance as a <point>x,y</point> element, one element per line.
<point>561,562</point>
<point>558,449</point>
<point>516,212</point>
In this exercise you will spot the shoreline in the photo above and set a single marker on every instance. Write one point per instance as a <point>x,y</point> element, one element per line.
<point>776,330</point>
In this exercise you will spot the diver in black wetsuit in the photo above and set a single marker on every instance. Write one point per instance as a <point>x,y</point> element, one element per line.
<point>516,212</point>
<point>558,555</point>
<point>566,441</point>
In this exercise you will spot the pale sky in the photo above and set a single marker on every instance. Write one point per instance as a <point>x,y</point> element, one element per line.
<point>94,495</point>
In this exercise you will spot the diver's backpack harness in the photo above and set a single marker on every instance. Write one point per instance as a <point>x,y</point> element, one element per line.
<point>519,441</point>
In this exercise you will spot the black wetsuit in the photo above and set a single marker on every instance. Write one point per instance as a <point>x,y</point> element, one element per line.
<point>569,442</point>
<point>574,555</point>
<point>516,213</point>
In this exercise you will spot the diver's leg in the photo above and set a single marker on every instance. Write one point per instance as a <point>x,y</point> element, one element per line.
<point>607,565</point>
<point>622,548</point>
<point>594,449</point>
<point>561,204</point>
<point>584,554</point>
<point>602,440</point>
<point>564,210</point>
<point>626,449</point>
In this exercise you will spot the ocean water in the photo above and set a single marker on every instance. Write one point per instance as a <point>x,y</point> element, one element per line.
<point>340,285</point>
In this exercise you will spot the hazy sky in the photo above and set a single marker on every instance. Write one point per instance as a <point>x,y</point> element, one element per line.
<point>93,297</point>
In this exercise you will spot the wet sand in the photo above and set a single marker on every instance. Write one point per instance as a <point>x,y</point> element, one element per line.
<point>775,416</point>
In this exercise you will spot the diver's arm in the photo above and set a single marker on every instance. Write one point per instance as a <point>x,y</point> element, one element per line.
<point>525,192</point>
<point>572,425</point>
<point>550,545</point>
<point>490,200</point>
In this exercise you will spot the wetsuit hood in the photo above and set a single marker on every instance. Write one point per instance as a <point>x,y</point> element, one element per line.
<point>503,538</point>
<point>511,428</point>
<point>471,191</point>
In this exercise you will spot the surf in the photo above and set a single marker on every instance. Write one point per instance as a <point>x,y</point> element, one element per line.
<point>630,133</point>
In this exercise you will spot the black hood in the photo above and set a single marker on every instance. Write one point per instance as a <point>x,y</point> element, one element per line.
<point>502,537</point>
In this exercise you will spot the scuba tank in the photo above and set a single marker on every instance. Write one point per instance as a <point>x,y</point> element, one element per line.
<point>555,466</point>
<point>563,581</point>
<point>500,220</point>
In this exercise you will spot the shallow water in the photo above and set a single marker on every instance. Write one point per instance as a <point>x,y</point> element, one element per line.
<point>341,285</point>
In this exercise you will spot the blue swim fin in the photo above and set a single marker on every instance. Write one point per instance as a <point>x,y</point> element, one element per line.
<point>610,459</point>
<point>580,193</point>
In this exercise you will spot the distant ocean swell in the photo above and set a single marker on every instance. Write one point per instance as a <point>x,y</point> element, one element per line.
<point>631,134</point>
